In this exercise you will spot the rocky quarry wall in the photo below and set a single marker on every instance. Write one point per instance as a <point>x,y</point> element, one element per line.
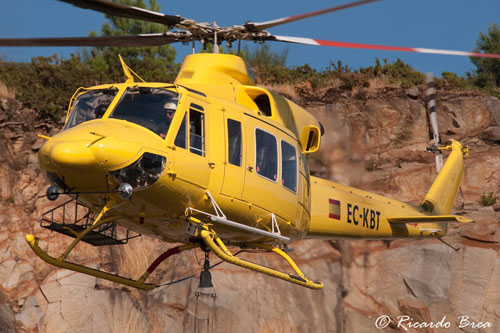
<point>374,140</point>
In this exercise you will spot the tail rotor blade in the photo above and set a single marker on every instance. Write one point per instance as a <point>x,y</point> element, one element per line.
<point>431,109</point>
<point>431,106</point>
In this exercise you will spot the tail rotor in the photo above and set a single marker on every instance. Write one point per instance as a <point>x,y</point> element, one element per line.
<point>431,110</point>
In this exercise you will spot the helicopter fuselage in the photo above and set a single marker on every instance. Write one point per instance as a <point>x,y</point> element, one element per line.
<point>211,139</point>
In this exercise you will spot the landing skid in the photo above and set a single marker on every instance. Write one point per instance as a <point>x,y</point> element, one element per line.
<point>204,235</point>
<point>214,243</point>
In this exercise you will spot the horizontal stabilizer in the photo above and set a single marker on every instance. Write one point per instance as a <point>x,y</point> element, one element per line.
<point>428,219</point>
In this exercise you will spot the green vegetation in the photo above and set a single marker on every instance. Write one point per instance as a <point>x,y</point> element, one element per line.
<point>47,83</point>
<point>488,199</point>
<point>397,72</point>
<point>452,80</point>
<point>487,74</point>
<point>262,56</point>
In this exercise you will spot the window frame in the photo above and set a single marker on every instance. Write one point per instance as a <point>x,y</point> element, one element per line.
<point>79,94</point>
<point>277,155</point>
<point>186,120</point>
<point>200,110</point>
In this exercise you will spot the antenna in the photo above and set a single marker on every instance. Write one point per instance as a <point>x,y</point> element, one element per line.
<point>216,45</point>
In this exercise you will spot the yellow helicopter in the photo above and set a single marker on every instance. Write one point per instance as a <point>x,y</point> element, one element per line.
<point>212,160</point>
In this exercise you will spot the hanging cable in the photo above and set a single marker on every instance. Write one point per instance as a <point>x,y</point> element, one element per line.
<point>195,274</point>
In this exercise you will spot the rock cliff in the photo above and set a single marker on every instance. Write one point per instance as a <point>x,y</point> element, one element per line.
<point>375,140</point>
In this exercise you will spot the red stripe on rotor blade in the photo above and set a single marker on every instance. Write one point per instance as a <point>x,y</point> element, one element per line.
<point>363,46</point>
<point>404,49</point>
<point>484,55</point>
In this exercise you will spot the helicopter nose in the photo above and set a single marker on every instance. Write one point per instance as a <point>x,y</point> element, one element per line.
<point>104,153</point>
<point>93,146</point>
<point>71,155</point>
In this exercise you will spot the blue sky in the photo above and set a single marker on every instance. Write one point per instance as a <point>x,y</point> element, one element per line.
<point>443,24</point>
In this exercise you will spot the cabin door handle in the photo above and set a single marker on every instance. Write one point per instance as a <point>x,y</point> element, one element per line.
<point>211,164</point>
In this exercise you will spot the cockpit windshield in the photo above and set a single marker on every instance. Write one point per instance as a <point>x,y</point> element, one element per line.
<point>90,105</point>
<point>153,108</point>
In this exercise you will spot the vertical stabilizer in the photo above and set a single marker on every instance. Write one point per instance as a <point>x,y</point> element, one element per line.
<point>441,196</point>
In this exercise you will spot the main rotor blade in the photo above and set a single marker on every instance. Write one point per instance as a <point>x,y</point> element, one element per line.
<point>311,41</point>
<point>117,9</point>
<point>269,24</point>
<point>130,40</point>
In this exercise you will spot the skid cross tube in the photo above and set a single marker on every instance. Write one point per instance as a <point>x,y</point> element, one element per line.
<point>222,252</point>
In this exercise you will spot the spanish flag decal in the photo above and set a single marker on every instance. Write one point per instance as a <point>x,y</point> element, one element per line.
<point>334,209</point>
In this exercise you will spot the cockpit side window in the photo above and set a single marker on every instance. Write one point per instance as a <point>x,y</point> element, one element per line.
<point>90,105</point>
<point>180,139</point>
<point>153,108</point>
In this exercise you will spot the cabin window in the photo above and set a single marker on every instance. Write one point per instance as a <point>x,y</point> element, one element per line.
<point>197,132</point>
<point>152,108</point>
<point>288,166</point>
<point>266,160</point>
<point>180,139</point>
<point>90,105</point>
<point>234,142</point>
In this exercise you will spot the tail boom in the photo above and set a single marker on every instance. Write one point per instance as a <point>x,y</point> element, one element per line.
<point>339,211</point>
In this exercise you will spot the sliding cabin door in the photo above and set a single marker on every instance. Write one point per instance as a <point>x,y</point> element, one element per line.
<point>270,182</point>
